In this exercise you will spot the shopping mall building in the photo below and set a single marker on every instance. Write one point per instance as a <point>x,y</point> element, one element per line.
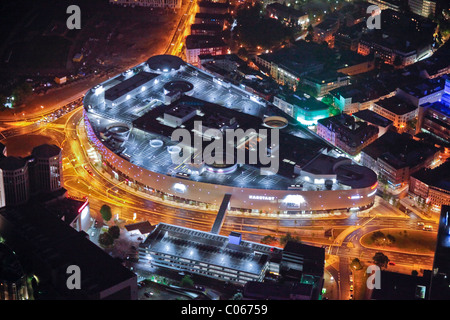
<point>130,120</point>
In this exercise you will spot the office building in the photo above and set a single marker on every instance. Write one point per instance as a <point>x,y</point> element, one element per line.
<point>387,4</point>
<point>399,286</point>
<point>432,186</point>
<point>434,117</point>
<point>16,181</point>
<point>206,29</point>
<point>346,133</point>
<point>323,82</point>
<point>304,264</point>
<point>424,8</point>
<point>287,15</point>
<point>325,30</point>
<point>210,18</point>
<point>399,111</point>
<point>197,45</point>
<point>394,157</point>
<point>374,119</point>
<point>423,91</point>
<point>206,6</point>
<point>46,168</point>
<point>302,107</point>
<point>440,278</point>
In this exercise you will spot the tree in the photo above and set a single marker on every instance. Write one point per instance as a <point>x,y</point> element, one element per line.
<point>356,264</point>
<point>268,239</point>
<point>288,237</point>
<point>242,52</point>
<point>397,61</point>
<point>2,100</point>
<point>255,30</point>
<point>22,91</point>
<point>381,260</point>
<point>237,296</point>
<point>114,232</point>
<point>377,235</point>
<point>390,238</point>
<point>105,211</point>
<point>105,239</point>
<point>187,281</point>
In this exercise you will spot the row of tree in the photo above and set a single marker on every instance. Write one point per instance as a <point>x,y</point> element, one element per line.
<point>107,238</point>
<point>271,240</point>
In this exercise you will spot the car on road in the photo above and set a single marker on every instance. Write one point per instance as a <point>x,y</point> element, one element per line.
<point>391,263</point>
<point>89,170</point>
<point>351,287</point>
<point>420,224</point>
<point>427,228</point>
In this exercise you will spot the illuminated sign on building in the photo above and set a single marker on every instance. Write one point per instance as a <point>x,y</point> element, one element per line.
<point>293,200</point>
<point>253,197</point>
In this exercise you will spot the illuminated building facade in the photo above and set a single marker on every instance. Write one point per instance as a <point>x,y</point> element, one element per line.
<point>399,111</point>
<point>47,168</point>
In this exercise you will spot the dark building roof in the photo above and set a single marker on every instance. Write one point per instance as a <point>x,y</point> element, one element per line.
<point>46,151</point>
<point>399,286</point>
<point>438,177</point>
<point>203,41</point>
<point>396,105</point>
<point>372,117</point>
<point>12,163</point>
<point>143,227</point>
<point>303,101</point>
<point>215,16</point>
<point>32,231</point>
<point>10,267</point>
<point>424,87</point>
<point>206,26</point>
<point>66,209</point>
<point>215,5</point>
<point>307,251</point>
<point>353,133</point>
<point>399,150</point>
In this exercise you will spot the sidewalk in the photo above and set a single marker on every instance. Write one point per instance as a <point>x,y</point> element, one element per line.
<point>410,205</point>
